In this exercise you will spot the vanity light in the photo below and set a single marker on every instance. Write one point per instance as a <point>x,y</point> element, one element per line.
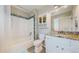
<point>56,8</point>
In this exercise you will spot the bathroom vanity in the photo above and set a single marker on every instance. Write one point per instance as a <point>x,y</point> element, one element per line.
<point>56,44</point>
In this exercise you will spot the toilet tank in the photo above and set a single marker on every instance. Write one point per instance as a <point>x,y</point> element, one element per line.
<point>41,36</point>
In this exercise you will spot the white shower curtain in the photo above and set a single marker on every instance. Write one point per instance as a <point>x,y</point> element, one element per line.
<point>22,28</point>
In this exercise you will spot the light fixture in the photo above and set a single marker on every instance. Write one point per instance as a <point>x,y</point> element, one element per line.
<point>56,10</point>
<point>65,6</point>
<point>56,7</point>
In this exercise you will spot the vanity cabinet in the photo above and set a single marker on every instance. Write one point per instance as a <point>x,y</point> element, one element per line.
<point>61,45</point>
<point>57,45</point>
<point>74,46</point>
<point>65,45</point>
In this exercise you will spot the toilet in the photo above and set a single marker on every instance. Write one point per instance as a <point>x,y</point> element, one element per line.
<point>38,43</point>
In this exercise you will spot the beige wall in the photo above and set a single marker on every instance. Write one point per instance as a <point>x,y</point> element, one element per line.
<point>5,29</point>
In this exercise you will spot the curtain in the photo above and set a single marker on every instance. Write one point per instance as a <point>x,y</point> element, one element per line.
<point>22,28</point>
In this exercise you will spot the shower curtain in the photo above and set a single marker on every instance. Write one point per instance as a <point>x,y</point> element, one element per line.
<point>22,32</point>
<point>22,28</point>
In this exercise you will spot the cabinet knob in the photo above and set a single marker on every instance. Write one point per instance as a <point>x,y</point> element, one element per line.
<point>57,46</point>
<point>62,48</point>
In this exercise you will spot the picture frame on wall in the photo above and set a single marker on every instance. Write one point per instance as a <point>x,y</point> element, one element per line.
<point>44,19</point>
<point>40,19</point>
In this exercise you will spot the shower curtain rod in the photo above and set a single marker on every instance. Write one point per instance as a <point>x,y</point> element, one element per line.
<point>22,16</point>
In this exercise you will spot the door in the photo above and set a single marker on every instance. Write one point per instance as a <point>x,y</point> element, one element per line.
<point>74,46</point>
<point>64,45</point>
<point>22,28</point>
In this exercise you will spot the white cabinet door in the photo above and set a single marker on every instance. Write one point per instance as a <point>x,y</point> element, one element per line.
<point>74,46</point>
<point>65,45</point>
<point>56,44</point>
<point>52,45</point>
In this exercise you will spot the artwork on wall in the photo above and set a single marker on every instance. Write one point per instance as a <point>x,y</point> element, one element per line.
<point>44,19</point>
<point>40,19</point>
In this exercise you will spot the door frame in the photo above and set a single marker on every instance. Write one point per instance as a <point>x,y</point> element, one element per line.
<point>27,18</point>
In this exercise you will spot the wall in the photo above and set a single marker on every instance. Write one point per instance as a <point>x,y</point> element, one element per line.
<point>5,29</point>
<point>1,25</point>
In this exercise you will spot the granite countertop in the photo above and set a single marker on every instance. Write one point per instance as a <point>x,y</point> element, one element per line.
<point>72,36</point>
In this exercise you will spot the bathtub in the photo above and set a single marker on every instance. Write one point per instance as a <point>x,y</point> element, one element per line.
<point>16,46</point>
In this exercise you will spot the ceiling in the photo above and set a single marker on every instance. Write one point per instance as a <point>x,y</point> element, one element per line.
<point>31,9</point>
<point>38,8</point>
